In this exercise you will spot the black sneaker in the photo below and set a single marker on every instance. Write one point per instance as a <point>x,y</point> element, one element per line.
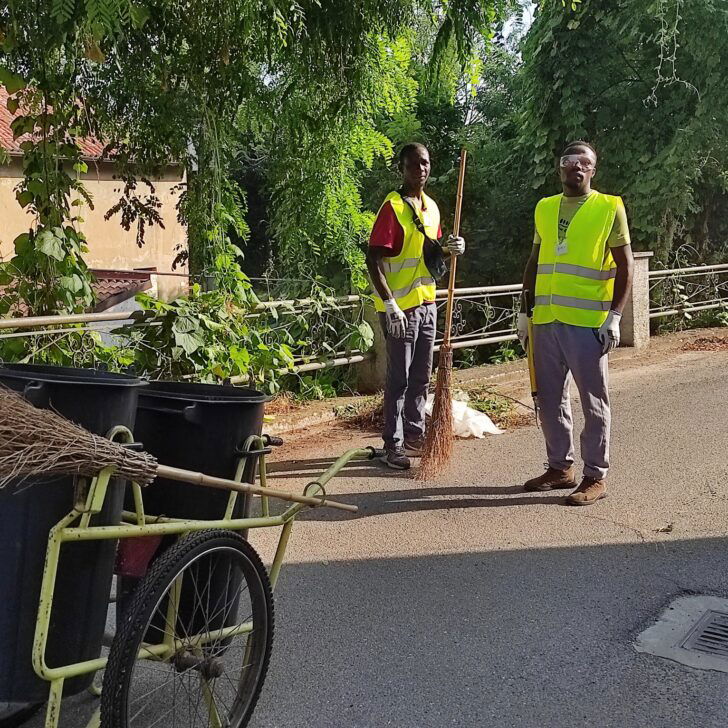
<point>395,458</point>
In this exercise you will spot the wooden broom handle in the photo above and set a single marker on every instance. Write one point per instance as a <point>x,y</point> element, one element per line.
<point>454,258</point>
<point>209,481</point>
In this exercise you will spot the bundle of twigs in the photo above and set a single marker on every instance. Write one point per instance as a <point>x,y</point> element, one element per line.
<point>42,442</point>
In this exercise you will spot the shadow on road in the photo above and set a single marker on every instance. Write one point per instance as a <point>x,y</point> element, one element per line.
<point>420,497</point>
<point>426,499</point>
<point>527,638</point>
<point>531,638</point>
<point>316,466</point>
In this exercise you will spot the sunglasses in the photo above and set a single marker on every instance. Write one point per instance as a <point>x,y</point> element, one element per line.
<point>576,160</point>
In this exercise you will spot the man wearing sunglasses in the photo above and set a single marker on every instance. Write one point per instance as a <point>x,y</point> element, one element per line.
<point>578,278</point>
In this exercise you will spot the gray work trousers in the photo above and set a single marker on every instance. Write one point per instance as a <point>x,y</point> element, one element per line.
<point>562,352</point>
<point>409,366</point>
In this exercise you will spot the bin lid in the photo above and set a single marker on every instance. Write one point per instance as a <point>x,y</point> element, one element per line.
<point>204,393</point>
<point>67,375</point>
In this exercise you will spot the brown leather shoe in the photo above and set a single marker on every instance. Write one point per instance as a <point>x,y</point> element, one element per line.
<point>590,490</point>
<point>552,479</point>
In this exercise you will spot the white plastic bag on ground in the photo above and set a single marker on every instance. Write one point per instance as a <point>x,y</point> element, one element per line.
<point>467,422</point>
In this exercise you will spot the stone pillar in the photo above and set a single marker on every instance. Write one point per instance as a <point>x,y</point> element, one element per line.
<point>372,374</point>
<point>635,324</point>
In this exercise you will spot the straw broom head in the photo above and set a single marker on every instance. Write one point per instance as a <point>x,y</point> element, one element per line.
<point>41,442</point>
<point>439,440</point>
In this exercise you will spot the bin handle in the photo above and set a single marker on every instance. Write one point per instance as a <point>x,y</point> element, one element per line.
<point>37,393</point>
<point>188,411</point>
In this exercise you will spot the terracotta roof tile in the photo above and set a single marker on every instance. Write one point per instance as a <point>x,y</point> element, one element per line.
<point>90,148</point>
<point>112,287</point>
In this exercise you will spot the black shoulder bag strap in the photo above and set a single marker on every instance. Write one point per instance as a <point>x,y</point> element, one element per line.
<point>431,249</point>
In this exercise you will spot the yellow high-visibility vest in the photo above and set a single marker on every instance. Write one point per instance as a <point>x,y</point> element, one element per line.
<point>575,283</point>
<point>407,275</point>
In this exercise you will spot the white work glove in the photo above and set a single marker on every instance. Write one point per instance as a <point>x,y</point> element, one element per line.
<point>608,332</point>
<point>454,245</point>
<point>396,320</point>
<point>522,330</point>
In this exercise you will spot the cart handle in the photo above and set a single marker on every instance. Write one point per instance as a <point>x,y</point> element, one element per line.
<point>209,481</point>
<point>370,453</point>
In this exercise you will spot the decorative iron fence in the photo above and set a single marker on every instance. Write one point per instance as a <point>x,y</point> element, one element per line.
<point>322,312</point>
<point>481,315</point>
<point>686,291</point>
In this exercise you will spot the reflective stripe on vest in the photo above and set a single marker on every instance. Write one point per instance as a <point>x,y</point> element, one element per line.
<point>406,274</point>
<point>578,270</point>
<point>571,302</point>
<point>577,286</point>
<point>400,265</point>
<point>423,281</point>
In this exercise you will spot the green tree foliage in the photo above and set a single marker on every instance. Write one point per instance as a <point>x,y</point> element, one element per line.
<point>302,79</point>
<point>203,83</point>
<point>319,147</point>
<point>476,107</point>
<point>644,82</point>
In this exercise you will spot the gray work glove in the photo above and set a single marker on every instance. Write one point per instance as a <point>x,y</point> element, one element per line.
<point>454,245</point>
<point>608,332</point>
<point>396,320</point>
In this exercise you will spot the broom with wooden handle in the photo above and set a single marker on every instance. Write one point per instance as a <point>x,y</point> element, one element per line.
<point>41,442</point>
<point>438,442</point>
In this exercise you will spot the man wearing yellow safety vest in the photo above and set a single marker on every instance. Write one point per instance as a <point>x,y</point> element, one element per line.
<point>578,276</point>
<point>404,296</point>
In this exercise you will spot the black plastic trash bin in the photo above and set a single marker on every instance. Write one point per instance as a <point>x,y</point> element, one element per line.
<point>199,427</point>
<point>98,401</point>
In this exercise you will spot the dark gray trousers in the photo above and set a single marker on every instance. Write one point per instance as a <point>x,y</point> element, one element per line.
<point>409,366</point>
<point>562,352</point>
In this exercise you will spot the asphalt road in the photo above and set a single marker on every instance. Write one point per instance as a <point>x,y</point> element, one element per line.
<point>469,603</point>
<point>466,602</point>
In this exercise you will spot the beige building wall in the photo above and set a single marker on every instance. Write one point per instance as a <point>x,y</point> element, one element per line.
<point>110,246</point>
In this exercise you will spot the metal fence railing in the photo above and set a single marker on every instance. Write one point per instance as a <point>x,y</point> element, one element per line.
<point>685,291</point>
<point>104,322</point>
<point>481,315</point>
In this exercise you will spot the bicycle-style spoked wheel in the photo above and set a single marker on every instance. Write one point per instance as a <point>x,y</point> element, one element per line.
<point>193,647</point>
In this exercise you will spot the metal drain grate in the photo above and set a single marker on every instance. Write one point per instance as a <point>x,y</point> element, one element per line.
<point>710,635</point>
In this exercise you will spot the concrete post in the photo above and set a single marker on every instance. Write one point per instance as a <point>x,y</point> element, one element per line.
<point>372,374</point>
<point>635,324</point>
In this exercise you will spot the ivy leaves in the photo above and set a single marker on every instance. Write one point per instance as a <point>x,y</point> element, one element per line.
<point>13,83</point>
<point>48,273</point>
<point>206,337</point>
<point>50,243</point>
<point>203,336</point>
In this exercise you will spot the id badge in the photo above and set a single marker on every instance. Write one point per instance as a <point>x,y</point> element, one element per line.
<point>562,248</point>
